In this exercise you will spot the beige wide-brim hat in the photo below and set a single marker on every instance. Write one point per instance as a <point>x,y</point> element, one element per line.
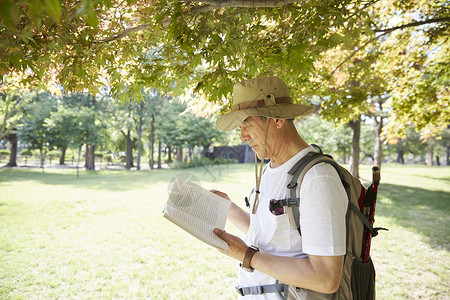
<point>263,96</point>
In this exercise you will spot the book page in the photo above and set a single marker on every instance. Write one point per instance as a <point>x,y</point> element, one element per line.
<point>195,227</point>
<point>197,211</point>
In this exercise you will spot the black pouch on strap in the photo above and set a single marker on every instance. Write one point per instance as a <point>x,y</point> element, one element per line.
<point>363,280</point>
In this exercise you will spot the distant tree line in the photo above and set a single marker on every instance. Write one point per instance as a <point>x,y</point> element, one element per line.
<point>361,62</point>
<point>163,127</point>
<point>45,123</point>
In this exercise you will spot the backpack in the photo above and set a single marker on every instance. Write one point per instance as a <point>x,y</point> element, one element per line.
<point>358,276</point>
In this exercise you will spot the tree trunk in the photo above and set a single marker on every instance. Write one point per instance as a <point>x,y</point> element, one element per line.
<point>12,139</point>
<point>78,161</point>
<point>169,154</point>
<point>400,158</point>
<point>180,154</point>
<point>90,157</point>
<point>130,145</point>
<point>190,153</point>
<point>430,156</point>
<point>448,155</point>
<point>152,142</point>
<point>42,152</point>
<point>355,125</point>
<point>138,163</point>
<point>378,151</point>
<point>86,156</point>
<point>205,150</point>
<point>159,154</point>
<point>62,158</point>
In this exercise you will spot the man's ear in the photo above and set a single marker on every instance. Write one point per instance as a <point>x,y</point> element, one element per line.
<point>279,123</point>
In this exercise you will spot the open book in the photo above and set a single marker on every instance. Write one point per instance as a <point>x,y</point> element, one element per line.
<point>197,211</point>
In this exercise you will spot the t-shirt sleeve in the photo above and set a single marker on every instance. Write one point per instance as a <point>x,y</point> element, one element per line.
<point>323,208</point>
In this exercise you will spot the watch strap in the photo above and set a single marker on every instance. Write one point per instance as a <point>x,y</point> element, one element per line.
<point>248,257</point>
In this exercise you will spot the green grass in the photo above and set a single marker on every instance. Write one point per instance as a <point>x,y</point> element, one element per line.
<point>102,235</point>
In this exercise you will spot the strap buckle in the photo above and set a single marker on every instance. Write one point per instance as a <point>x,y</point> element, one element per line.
<point>292,185</point>
<point>292,202</point>
<point>240,291</point>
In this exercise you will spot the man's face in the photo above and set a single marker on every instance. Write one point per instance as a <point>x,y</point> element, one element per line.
<point>253,131</point>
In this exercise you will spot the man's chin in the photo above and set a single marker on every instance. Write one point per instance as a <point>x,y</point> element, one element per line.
<point>259,155</point>
<point>257,149</point>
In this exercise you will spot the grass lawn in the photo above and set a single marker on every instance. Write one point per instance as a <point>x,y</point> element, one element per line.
<point>102,235</point>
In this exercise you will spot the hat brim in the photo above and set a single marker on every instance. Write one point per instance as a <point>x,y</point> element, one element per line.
<point>231,120</point>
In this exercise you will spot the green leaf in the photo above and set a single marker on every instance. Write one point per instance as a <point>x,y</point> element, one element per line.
<point>7,13</point>
<point>54,8</point>
<point>91,18</point>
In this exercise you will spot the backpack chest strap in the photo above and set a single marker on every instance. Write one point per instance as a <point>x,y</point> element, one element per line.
<point>280,288</point>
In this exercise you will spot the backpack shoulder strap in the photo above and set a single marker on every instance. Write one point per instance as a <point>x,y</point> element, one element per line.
<point>298,172</point>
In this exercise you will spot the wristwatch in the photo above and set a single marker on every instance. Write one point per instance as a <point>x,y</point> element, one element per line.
<point>248,258</point>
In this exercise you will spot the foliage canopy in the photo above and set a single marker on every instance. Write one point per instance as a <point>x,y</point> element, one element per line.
<point>326,48</point>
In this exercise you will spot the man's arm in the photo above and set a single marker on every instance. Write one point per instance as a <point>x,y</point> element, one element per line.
<point>236,215</point>
<point>317,273</point>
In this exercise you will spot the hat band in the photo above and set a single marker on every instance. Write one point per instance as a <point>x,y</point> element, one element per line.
<point>259,103</point>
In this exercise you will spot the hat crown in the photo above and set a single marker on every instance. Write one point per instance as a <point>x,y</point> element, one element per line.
<point>263,96</point>
<point>265,88</point>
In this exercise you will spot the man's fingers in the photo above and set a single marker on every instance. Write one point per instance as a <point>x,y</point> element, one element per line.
<point>222,234</point>
<point>219,193</point>
<point>219,232</point>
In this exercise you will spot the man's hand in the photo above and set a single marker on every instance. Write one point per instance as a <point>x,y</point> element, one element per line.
<point>236,215</point>
<point>221,194</point>
<point>236,246</point>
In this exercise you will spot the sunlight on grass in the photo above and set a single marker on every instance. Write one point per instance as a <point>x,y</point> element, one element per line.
<point>102,235</point>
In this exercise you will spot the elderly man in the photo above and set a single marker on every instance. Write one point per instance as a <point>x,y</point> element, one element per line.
<point>276,261</point>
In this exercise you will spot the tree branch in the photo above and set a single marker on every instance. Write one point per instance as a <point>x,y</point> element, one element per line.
<point>354,52</point>
<point>414,24</point>
<point>124,33</point>
<point>245,3</point>
<point>386,31</point>
<point>362,9</point>
<point>212,5</point>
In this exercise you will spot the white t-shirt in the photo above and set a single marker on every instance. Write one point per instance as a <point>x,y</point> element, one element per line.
<point>323,205</point>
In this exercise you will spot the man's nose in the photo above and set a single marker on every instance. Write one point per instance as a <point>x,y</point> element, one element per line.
<point>244,135</point>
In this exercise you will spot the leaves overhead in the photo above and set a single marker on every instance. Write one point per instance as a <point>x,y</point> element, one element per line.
<point>168,45</point>
<point>330,49</point>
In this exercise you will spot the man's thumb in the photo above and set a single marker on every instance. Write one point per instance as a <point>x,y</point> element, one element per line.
<point>218,232</point>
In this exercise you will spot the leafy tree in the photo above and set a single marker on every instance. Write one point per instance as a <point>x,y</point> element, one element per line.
<point>10,114</point>
<point>350,96</point>
<point>153,103</point>
<point>384,63</point>
<point>332,138</point>
<point>90,122</point>
<point>412,39</point>
<point>379,115</point>
<point>126,119</point>
<point>33,128</point>
<point>139,44</point>
<point>10,105</point>
<point>66,127</point>
<point>411,143</point>
<point>204,47</point>
<point>196,131</point>
<point>168,131</point>
<point>416,50</point>
<point>443,146</point>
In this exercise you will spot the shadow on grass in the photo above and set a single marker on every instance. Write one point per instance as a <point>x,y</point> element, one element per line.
<point>419,210</point>
<point>108,180</point>
<point>115,180</point>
